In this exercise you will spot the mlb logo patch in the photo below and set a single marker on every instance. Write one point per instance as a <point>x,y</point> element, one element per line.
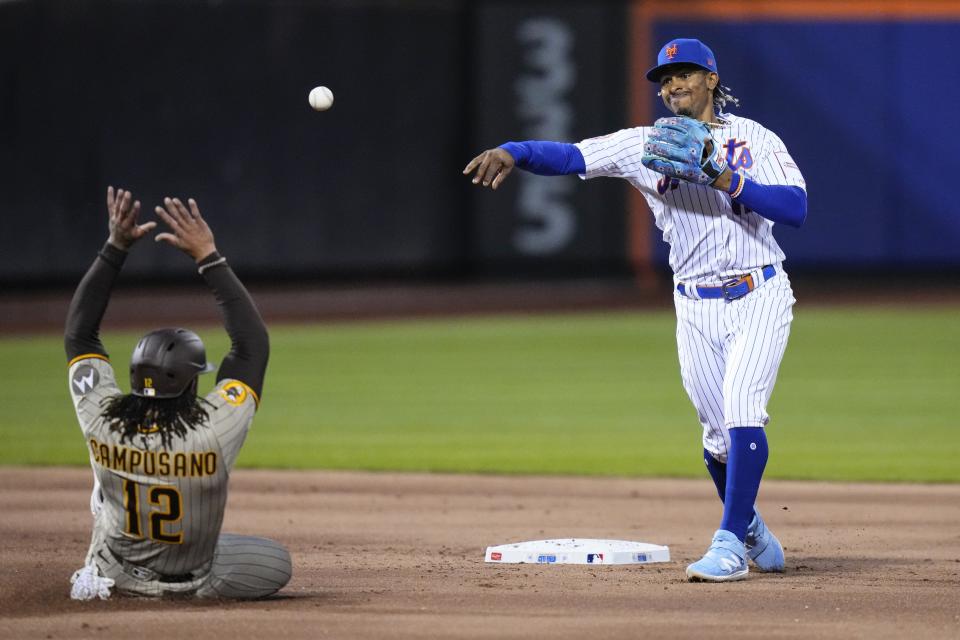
<point>496,555</point>
<point>594,558</point>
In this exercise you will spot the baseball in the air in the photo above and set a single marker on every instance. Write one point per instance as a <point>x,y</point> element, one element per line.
<point>321,98</point>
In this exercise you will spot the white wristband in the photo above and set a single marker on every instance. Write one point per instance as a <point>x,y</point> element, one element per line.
<point>204,267</point>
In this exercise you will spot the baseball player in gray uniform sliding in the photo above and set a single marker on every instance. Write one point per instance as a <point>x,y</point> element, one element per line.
<point>161,455</point>
<point>716,184</point>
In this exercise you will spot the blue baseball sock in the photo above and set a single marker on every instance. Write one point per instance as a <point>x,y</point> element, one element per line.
<point>745,464</point>
<point>718,471</point>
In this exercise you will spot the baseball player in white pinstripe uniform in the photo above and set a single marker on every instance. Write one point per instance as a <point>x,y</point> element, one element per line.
<point>716,184</point>
<point>161,455</point>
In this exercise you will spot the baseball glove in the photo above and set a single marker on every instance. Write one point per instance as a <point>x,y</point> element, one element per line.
<point>683,148</point>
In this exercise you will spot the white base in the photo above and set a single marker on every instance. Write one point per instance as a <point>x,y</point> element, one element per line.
<point>578,551</point>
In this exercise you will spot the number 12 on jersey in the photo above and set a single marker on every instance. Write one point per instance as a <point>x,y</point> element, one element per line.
<point>165,510</point>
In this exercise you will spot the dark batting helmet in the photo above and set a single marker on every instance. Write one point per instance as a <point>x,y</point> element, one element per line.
<point>165,362</point>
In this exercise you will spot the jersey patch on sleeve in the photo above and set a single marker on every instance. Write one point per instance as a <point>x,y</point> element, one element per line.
<point>234,393</point>
<point>84,380</point>
<point>790,168</point>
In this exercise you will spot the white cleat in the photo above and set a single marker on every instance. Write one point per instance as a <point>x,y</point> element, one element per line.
<point>725,560</point>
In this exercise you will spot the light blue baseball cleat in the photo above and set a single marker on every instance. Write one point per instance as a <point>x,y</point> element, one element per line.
<point>725,560</point>
<point>763,548</point>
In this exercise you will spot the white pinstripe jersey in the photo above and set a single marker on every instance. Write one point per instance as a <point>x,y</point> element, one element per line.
<point>710,237</point>
<point>163,508</point>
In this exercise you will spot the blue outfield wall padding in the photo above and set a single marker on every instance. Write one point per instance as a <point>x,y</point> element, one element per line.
<point>864,108</point>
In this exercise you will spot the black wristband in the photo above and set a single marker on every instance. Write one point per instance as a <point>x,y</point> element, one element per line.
<point>212,260</point>
<point>113,256</point>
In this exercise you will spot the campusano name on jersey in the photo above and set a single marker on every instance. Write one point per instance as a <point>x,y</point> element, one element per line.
<point>191,464</point>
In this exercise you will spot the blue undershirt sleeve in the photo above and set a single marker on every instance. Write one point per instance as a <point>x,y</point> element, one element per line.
<point>547,158</point>
<point>780,203</point>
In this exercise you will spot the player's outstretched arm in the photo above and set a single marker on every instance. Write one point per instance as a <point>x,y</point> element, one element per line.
<point>492,167</point>
<point>249,341</point>
<point>82,333</point>
<point>541,157</point>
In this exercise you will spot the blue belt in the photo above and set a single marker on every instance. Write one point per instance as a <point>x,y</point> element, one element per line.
<point>731,289</point>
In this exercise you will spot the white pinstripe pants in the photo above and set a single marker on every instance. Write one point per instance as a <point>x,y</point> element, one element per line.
<point>729,356</point>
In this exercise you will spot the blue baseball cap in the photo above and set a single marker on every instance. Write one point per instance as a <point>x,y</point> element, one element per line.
<point>683,51</point>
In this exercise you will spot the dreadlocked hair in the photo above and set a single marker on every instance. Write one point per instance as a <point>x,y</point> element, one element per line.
<point>722,95</point>
<point>170,417</point>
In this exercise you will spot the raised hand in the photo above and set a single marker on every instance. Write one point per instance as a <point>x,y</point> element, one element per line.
<point>188,230</point>
<point>493,166</point>
<point>124,230</point>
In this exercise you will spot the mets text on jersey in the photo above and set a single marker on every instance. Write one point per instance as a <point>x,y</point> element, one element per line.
<point>190,464</point>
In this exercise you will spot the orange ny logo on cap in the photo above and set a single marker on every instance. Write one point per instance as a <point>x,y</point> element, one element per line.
<point>671,51</point>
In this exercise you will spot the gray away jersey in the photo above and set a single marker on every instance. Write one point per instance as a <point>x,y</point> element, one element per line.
<point>162,509</point>
<point>711,237</point>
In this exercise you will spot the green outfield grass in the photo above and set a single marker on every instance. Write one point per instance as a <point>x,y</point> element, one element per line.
<point>863,394</point>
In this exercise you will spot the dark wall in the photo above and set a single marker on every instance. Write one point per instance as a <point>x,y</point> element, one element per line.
<point>550,72</point>
<point>209,100</point>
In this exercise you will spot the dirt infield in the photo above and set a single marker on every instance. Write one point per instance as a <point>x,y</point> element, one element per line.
<point>401,556</point>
